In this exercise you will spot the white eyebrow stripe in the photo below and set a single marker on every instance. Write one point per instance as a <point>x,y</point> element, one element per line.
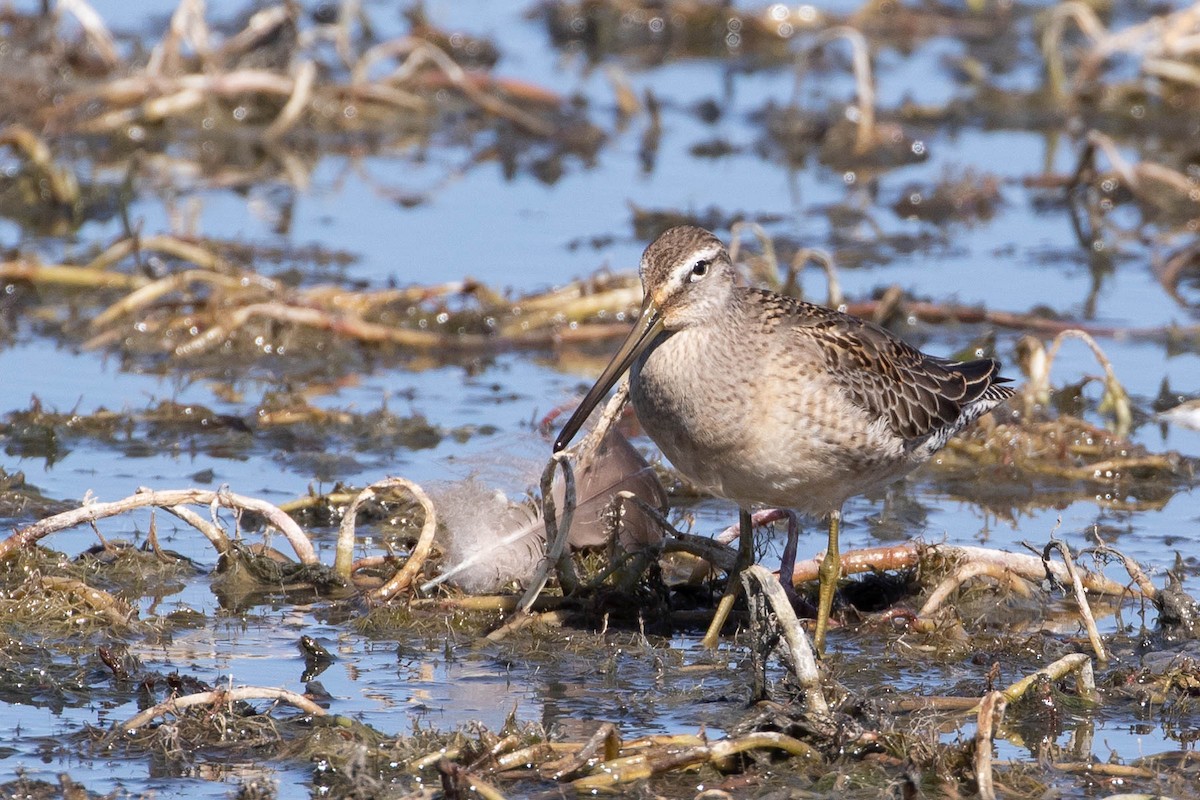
<point>679,277</point>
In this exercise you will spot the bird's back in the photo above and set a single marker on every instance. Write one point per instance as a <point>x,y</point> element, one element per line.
<point>921,399</point>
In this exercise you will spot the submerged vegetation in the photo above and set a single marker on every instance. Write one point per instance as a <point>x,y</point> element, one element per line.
<point>959,671</point>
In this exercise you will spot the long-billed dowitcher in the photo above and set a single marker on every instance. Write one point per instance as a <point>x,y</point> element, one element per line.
<point>767,400</point>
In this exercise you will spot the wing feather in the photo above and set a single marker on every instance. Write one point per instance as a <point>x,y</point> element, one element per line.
<point>917,395</point>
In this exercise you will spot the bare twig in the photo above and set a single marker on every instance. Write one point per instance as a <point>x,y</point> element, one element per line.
<point>456,778</point>
<point>187,25</point>
<point>964,573</point>
<point>218,697</point>
<point>863,81</point>
<point>416,559</point>
<point>1148,589</point>
<point>720,556</point>
<point>809,255</point>
<point>910,554</point>
<point>94,29</point>
<point>173,246</point>
<point>213,532</point>
<point>347,324</point>
<point>301,96</point>
<point>991,710</point>
<point>166,499</point>
<point>1079,663</point>
<point>799,657</point>
<point>771,273</point>
<point>104,605</point>
<point>151,292</point>
<point>1116,399</point>
<point>1052,39</point>
<point>420,52</point>
<point>603,745</point>
<point>628,769</point>
<point>758,519</point>
<point>69,276</point>
<point>1085,609</point>
<point>62,183</point>
<point>261,26</point>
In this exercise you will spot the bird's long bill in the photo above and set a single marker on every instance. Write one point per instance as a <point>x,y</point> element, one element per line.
<point>649,324</point>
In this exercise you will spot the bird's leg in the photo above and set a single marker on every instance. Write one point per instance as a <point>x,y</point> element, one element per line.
<point>830,572</point>
<point>745,558</point>
<point>787,562</point>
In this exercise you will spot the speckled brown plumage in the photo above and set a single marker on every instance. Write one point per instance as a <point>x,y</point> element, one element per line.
<point>919,395</point>
<point>764,399</point>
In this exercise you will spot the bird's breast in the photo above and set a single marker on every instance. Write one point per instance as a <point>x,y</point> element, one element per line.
<point>689,405</point>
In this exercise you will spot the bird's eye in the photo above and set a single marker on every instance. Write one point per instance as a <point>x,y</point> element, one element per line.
<point>700,268</point>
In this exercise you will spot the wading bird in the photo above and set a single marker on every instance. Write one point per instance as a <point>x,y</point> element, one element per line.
<point>767,400</point>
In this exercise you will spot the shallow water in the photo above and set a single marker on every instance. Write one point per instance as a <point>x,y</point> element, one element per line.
<point>523,234</point>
